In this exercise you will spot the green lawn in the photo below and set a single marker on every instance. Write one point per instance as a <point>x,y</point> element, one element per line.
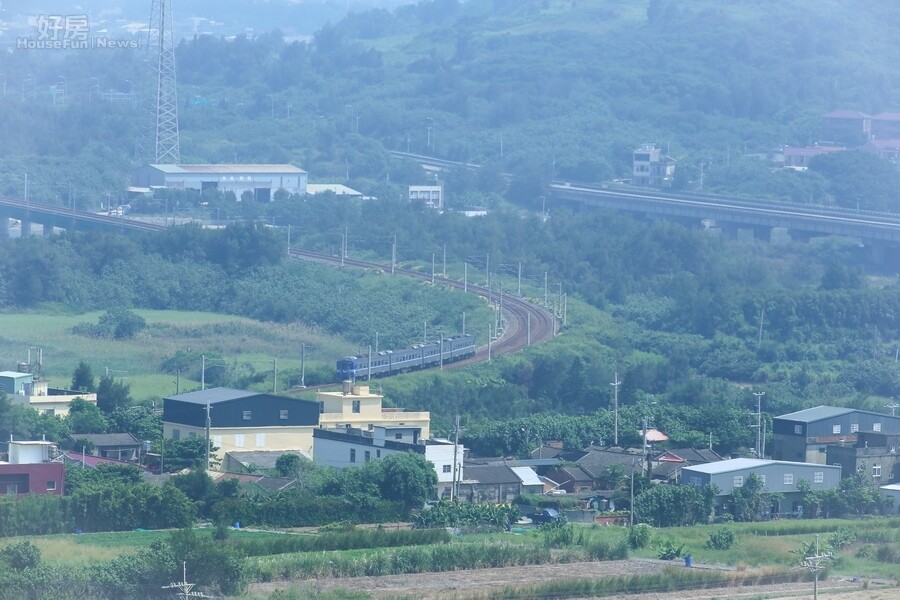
<point>244,343</point>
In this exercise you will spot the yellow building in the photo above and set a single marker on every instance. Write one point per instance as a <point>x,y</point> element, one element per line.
<point>355,406</point>
<point>241,420</point>
<point>26,389</point>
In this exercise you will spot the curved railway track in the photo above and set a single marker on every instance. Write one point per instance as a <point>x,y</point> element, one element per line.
<point>516,310</point>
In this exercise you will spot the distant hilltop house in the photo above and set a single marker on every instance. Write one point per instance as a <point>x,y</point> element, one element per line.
<point>338,189</point>
<point>25,388</point>
<point>878,134</point>
<point>431,195</point>
<point>651,167</point>
<point>261,181</point>
<point>799,158</point>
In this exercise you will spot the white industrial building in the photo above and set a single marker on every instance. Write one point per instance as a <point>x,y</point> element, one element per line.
<point>260,180</point>
<point>343,447</point>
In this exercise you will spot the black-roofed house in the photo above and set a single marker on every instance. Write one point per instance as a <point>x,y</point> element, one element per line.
<point>241,420</point>
<point>493,484</point>
<point>667,465</point>
<point>116,446</point>
<point>805,435</point>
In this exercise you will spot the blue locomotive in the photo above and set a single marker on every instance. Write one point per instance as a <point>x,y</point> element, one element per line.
<point>420,356</point>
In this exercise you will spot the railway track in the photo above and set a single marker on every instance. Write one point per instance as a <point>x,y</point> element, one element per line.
<point>516,311</point>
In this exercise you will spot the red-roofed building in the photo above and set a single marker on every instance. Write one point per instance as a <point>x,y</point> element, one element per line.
<point>884,148</point>
<point>29,470</point>
<point>885,126</point>
<point>798,158</point>
<point>847,126</point>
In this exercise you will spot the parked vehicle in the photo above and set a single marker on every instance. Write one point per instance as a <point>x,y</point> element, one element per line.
<point>544,515</point>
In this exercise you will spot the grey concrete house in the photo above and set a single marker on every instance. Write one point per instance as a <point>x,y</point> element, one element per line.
<point>806,434</point>
<point>777,476</point>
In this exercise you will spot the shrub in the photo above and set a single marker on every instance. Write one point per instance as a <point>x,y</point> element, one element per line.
<point>842,538</point>
<point>720,539</point>
<point>887,554</point>
<point>639,536</point>
<point>23,555</point>
<point>668,549</point>
<point>606,550</point>
<point>865,551</point>
<point>558,534</point>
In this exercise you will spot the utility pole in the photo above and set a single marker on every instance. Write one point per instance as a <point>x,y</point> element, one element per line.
<point>464,323</point>
<point>616,383</point>
<point>758,425</point>
<point>369,366</point>
<point>631,512</point>
<point>453,491</point>
<point>489,340</point>
<point>274,375</point>
<point>303,365</point>
<point>202,372</point>
<point>441,350</point>
<point>208,423</point>
<point>814,564</point>
<point>376,342</point>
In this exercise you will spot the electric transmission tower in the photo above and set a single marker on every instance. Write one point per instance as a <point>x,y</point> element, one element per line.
<point>161,48</point>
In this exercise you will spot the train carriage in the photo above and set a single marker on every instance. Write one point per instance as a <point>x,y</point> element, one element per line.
<point>419,356</point>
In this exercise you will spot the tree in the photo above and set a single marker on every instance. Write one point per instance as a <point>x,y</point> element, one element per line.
<point>750,501</point>
<point>83,378</point>
<point>85,417</point>
<point>187,454</point>
<point>112,394</point>
<point>674,505</point>
<point>290,464</point>
<point>408,478</point>
<point>20,556</point>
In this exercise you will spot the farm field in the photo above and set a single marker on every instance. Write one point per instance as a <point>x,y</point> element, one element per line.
<point>243,343</point>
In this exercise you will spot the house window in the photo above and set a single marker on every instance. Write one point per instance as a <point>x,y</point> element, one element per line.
<point>353,455</point>
<point>378,454</point>
<point>788,479</point>
<point>246,414</point>
<point>283,415</point>
<point>835,429</point>
<point>367,456</point>
<point>798,429</point>
<point>819,477</point>
<point>876,470</point>
<point>176,434</point>
<point>239,440</point>
<point>12,489</point>
<point>695,480</point>
<point>356,406</point>
<point>51,485</point>
<point>876,426</point>
<point>260,440</point>
<point>854,427</point>
<point>398,436</point>
<point>738,480</point>
<point>447,468</point>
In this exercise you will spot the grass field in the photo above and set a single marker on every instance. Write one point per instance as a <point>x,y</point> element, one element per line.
<point>245,344</point>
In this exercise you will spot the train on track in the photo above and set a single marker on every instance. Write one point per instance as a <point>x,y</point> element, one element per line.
<point>420,356</point>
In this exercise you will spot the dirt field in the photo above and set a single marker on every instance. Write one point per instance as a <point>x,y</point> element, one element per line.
<point>469,584</point>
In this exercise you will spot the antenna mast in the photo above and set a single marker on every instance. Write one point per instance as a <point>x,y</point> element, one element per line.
<point>161,45</point>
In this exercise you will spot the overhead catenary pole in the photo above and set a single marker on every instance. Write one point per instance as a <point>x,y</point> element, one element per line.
<point>519,286</point>
<point>202,372</point>
<point>393,255</point>
<point>369,366</point>
<point>274,375</point>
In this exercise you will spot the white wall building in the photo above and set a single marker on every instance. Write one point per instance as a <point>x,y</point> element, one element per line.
<point>352,447</point>
<point>260,180</point>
